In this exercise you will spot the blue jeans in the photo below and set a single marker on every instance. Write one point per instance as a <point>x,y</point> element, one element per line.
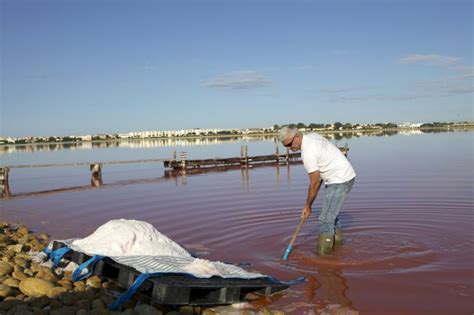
<point>334,199</point>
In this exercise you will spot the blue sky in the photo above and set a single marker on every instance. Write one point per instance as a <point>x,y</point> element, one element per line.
<point>81,67</point>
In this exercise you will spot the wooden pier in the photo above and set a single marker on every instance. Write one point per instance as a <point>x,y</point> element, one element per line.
<point>243,161</point>
<point>173,167</point>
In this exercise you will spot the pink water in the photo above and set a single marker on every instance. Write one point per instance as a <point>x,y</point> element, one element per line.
<point>408,223</point>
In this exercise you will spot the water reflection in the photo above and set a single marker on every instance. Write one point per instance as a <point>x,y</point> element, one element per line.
<point>329,287</point>
<point>186,142</point>
<point>128,144</point>
<point>179,176</point>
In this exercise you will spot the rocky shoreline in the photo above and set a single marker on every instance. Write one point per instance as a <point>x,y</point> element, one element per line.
<point>28,285</point>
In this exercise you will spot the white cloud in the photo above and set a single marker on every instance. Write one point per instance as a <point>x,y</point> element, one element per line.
<point>431,59</point>
<point>343,89</point>
<point>453,85</point>
<point>461,90</point>
<point>467,71</point>
<point>375,97</point>
<point>237,80</point>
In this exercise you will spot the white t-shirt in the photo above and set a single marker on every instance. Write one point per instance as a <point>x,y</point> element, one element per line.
<point>319,154</point>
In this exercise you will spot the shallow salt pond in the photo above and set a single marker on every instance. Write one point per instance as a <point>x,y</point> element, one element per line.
<point>408,222</point>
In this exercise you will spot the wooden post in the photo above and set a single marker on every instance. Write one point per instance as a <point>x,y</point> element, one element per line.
<point>287,156</point>
<point>96,171</point>
<point>246,156</point>
<point>4,185</point>
<point>96,182</point>
<point>277,152</point>
<point>183,160</point>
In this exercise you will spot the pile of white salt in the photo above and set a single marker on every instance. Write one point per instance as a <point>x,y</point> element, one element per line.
<point>126,238</point>
<point>129,238</point>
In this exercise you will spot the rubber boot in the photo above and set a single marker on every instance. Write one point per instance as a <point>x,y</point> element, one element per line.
<point>325,244</point>
<point>338,238</point>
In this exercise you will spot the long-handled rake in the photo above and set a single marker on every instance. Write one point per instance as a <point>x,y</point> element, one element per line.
<point>290,246</point>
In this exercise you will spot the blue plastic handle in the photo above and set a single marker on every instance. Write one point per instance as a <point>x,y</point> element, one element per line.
<point>287,252</point>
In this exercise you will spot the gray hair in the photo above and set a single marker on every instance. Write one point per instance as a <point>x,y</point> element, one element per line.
<point>287,132</point>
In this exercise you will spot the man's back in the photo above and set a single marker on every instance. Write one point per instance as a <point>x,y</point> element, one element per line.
<point>321,155</point>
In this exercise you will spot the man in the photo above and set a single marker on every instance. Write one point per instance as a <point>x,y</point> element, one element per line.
<point>324,162</point>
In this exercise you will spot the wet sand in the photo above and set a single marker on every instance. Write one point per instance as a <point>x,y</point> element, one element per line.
<point>408,226</point>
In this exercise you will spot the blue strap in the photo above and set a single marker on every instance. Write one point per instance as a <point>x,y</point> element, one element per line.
<point>297,280</point>
<point>131,291</point>
<point>76,275</point>
<point>291,282</point>
<point>57,255</point>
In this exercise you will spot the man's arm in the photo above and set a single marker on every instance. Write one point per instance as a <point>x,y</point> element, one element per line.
<point>314,183</point>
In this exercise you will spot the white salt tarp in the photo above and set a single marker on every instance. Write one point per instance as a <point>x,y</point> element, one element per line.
<point>139,245</point>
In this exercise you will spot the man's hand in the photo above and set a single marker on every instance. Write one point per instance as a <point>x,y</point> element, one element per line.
<point>305,212</point>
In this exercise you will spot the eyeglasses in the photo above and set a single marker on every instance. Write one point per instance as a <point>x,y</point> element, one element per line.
<point>289,144</point>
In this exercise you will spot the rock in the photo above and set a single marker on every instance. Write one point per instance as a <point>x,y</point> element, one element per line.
<point>278,313</point>
<point>39,268</point>
<point>39,311</point>
<point>39,302</point>
<point>20,297</point>
<point>20,309</point>
<point>55,304</point>
<point>7,305</point>
<point>65,284</point>
<point>35,287</point>
<point>112,286</point>
<point>5,290</point>
<point>82,312</point>
<point>97,303</point>
<point>22,231</point>
<point>43,236</point>
<point>86,295</point>
<point>20,262</point>
<point>65,310</point>
<point>187,309</point>
<point>28,272</point>
<point>94,282</point>
<point>5,268</point>
<point>144,309</point>
<point>83,304</point>
<point>55,292</point>
<point>69,298</point>
<point>99,311</point>
<point>47,275</point>
<point>17,248</point>
<point>19,275</point>
<point>11,282</point>
<point>79,284</point>
<point>79,289</point>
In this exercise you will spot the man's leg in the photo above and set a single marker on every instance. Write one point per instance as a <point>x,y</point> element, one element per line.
<point>338,237</point>
<point>334,199</point>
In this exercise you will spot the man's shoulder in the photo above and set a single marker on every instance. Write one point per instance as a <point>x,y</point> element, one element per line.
<point>312,137</point>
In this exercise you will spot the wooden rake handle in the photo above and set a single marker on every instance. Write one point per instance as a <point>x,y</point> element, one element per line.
<point>290,246</point>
